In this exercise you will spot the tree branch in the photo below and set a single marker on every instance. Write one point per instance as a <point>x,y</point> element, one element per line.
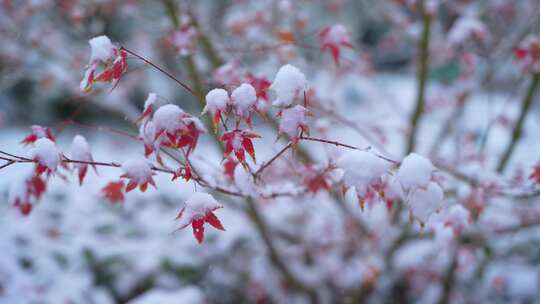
<point>518,127</point>
<point>422,74</point>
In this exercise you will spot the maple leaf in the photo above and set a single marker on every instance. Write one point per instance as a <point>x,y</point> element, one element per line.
<point>36,186</point>
<point>240,142</point>
<point>228,167</point>
<point>183,172</point>
<point>334,37</point>
<point>139,173</point>
<point>199,209</point>
<point>114,191</point>
<point>25,207</point>
<point>293,122</point>
<point>176,129</point>
<point>37,133</point>
<point>535,175</point>
<point>112,58</point>
<point>316,180</point>
<point>261,85</point>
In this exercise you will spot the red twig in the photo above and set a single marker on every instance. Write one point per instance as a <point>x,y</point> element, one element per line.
<point>266,164</point>
<point>338,144</point>
<point>196,177</point>
<point>185,86</point>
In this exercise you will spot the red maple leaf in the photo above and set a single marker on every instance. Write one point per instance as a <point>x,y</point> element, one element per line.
<point>183,172</point>
<point>199,210</point>
<point>239,141</point>
<point>115,71</point>
<point>332,38</point>
<point>228,167</point>
<point>114,191</point>
<point>261,85</point>
<point>24,206</point>
<point>37,133</point>
<point>198,225</point>
<point>36,186</point>
<point>535,175</point>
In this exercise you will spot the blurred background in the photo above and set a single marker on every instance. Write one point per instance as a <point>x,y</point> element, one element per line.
<point>75,247</point>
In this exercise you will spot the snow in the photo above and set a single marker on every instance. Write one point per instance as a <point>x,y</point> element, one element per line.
<point>216,100</point>
<point>147,132</point>
<point>101,49</point>
<point>18,190</point>
<point>292,119</point>
<point>184,40</point>
<point>80,150</point>
<point>361,168</point>
<point>150,101</point>
<point>465,27</point>
<point>289,84</point>
<point>86,78</point>
<point>520,281</point>
<point>39,131</point>
<point>243,99</point>
<point>169,118</point>
<point>424,201</point>
<point>243,180</point>
<point>336,34</point>
<point>415,171</point>
<point>196,122</point>
<point>458,217</point>
<point>46,153</point>
<point>137,169</point>
<point>197,205</point>
<point>185,295</point>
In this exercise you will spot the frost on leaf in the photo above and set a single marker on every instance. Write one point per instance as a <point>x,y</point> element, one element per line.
<point>80,151</point>
<point>261,86</point>
<point>149,106</point>
<point>216,103</point>
<point>110,57</point>
<point>289,85</point>
<point>293,123</point>
<point>423,201</point>
<point>362,170</point>
<point>147,133</point>
<point>415,171</point>
<point>333,38</point>
<point>46,154</point>
<point>243,101</point>
<point>114,191</point>
<point>228,167</point>
<point>199,209</point>
<point>37,133</point>
<point>139,173</point>
<point>239,142</point>
<point>175,128</point>
<point>183,172</point>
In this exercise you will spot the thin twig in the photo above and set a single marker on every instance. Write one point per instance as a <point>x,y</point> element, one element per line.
<point>9,163</point>
<point>185,86</point>
<point>268,163</point>
<point>338,144</point>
